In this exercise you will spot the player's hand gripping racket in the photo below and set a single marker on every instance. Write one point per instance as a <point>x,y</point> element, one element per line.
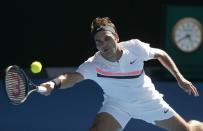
<point>19,86</point>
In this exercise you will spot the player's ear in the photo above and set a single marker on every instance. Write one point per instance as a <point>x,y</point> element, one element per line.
<point>116,37</point>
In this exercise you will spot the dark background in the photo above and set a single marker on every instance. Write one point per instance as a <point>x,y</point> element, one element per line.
<point>57,32</point>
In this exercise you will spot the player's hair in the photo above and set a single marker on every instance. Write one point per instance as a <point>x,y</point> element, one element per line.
<point>102,23</point>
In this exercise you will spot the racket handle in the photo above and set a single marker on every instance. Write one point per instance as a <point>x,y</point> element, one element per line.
<point>41,89</point>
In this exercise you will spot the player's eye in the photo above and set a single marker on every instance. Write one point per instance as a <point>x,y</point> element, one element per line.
<point>107,38</point>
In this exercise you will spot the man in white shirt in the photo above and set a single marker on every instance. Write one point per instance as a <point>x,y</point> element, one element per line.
<point>128,92</point>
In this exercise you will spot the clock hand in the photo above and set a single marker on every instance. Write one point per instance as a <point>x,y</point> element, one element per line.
<point>189,37</point>
<point>184,37</point>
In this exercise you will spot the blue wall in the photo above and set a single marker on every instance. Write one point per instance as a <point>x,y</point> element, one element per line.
<point>74,109</point>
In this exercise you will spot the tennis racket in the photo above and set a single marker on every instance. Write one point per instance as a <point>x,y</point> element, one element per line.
<point>19,86</point>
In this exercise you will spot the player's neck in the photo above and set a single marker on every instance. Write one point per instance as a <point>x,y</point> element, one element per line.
<point>115,57</point>
<point>119,53</point>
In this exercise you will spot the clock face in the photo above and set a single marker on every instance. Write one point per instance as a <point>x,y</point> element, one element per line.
<point>187,34</point>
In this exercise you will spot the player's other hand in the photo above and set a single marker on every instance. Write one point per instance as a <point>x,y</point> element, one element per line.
<point>188,87</point>
<point>49,85</point>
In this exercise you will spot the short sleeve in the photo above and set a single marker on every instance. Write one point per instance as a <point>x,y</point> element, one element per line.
<point>87,69</point>
<point>142,50</point>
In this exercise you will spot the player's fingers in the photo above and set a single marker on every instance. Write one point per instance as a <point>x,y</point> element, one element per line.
<point>194,91</point>
<point>48,89</point>
<point>46,93</point>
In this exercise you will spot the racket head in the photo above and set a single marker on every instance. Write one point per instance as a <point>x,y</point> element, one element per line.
<point>16,84</point>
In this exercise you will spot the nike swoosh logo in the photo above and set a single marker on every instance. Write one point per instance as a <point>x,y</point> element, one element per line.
<point>165,111</point>
<point>133,61</point>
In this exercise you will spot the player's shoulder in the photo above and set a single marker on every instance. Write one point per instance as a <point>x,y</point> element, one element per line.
<point>131,43</point>
<point>91,60</point>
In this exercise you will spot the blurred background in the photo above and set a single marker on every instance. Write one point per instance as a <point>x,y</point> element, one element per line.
<point>57,33</point>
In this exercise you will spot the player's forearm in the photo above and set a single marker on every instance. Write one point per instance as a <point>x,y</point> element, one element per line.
<point>169,64</point>
<point>64,81</point>
<point>68,80</point>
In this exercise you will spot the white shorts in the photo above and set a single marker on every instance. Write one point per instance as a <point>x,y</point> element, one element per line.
<point>148,110</point>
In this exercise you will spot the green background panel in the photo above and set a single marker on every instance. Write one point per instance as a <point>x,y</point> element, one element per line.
<point>190,64</point>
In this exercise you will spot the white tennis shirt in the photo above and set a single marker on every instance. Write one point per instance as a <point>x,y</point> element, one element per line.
<point>124,80</point>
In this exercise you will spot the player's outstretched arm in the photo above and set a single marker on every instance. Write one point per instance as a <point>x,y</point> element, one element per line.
<point>63,81</point>
<point>169,64</point>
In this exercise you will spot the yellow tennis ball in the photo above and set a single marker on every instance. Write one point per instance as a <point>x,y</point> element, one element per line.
<point>36,67</point>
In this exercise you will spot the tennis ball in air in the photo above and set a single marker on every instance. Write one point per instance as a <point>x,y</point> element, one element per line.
<point>36,67</point>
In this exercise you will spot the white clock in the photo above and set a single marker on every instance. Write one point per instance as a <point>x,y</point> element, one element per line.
<point>187,34</point>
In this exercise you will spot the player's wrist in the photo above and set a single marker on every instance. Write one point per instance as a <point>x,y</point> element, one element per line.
<point>57,83</point>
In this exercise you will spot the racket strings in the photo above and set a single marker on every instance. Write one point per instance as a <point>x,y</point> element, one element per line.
<point>16,85</point>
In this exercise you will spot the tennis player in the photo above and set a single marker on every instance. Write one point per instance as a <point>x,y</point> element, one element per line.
<point>128,92</point>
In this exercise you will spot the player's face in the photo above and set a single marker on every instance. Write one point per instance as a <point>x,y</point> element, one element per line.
<point>106,43</point>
